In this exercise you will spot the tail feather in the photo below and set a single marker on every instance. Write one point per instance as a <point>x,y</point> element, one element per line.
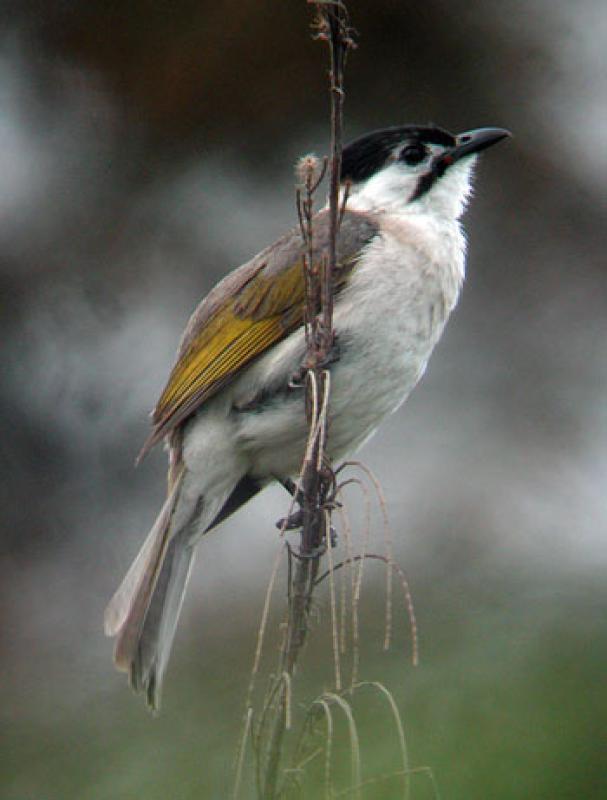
<point>155,640</point>
<point>119,609</point>
<point>144,612</point>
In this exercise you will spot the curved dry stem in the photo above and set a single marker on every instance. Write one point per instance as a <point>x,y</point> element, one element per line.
<point>411,613</point>
<point>391,565</point>
<point>358,588</point>
<point>302,739</point>
<point>354,741</point>
<point>399,730</point>
<point>406,594</point>
<point>388,540</point>
<point>347,533</point>
<point>286,679</point>
<point>427,771</point>
<point>379,779</point>
<point>334,622</point>
<point>329,745</point>
<point>263,623</point>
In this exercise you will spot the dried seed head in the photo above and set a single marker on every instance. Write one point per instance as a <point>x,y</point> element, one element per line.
<point>308,169</point>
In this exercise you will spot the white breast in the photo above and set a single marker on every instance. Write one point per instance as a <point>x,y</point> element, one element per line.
<point>387,321</point>
<point>390,318</point>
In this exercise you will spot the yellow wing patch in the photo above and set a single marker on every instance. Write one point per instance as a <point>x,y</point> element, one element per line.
<point>266,310</point>
<point>236,343</point>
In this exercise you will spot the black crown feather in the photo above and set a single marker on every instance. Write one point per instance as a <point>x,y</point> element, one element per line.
<point>365,156</point>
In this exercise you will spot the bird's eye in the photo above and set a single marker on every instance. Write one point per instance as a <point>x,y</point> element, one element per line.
<point>413,154</point>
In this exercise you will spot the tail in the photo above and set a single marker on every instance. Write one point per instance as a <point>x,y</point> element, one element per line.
<point>148,662</point>
<point>143,613</point>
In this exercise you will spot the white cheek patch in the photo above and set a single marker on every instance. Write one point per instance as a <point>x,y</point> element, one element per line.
<point>392,188</point>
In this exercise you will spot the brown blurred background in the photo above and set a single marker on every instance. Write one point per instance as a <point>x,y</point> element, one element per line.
<point>146,148</point>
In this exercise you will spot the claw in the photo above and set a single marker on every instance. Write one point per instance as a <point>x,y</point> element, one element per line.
<point>292,522</point>
<point>333,537</point>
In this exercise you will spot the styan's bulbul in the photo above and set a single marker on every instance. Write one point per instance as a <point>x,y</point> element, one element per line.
<point>231,415</point>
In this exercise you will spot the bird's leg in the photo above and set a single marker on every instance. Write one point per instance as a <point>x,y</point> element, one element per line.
<point>293,489</point>
<point>295,519</point>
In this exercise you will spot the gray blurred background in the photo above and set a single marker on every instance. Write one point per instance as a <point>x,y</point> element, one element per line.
<point>146,148</point>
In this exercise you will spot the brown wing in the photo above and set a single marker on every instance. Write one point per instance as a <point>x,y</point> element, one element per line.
<point>251,309</point>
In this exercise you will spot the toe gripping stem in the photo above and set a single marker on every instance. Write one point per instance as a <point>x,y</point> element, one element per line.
<point>295,520</point>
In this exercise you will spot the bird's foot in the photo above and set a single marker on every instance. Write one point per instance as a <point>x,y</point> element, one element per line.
<point>297,379</point>
<point>295,519</point>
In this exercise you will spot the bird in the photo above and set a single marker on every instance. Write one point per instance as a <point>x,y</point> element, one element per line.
<point>231,416</point>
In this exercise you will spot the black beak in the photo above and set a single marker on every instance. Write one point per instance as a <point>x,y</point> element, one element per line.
<point>474,141</point>
<point>466,144</point>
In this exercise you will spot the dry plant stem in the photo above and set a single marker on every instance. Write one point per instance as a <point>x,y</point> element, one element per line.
<point>387,541</point>
<point>399,729</point>
<point>328,746</point>
<point>317,479</point>
<point>356,779</point>
<point>306,571</point>
<point>338,47</point>
<point>406,594</point>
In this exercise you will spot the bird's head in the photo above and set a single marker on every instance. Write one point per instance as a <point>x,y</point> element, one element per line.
<point>414,168</point>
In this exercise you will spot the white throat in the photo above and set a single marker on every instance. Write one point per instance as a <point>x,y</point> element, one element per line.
<point>390,191</point>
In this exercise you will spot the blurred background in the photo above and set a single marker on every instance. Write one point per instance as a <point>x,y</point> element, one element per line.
<point>146,148</point>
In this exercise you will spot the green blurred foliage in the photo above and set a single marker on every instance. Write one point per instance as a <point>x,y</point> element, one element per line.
<point>506,703</point>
